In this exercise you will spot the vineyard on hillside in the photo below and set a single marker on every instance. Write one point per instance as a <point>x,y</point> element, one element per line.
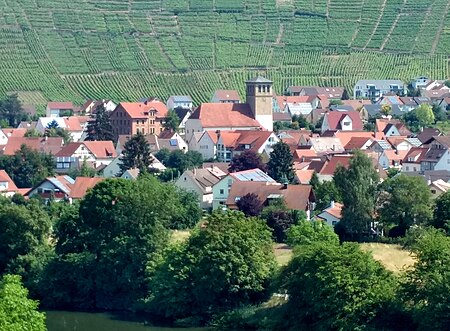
<point>127,49</point>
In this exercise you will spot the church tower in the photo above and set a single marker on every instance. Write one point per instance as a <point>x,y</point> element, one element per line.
<point>259,97</point>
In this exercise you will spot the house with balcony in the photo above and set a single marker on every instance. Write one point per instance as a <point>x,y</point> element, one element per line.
<point>374,89</point>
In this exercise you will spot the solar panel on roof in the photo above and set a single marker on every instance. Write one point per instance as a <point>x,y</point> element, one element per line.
<point>384,144</point>
<point>173,142</point>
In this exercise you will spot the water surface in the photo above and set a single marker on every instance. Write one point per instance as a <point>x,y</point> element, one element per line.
<point>76,321</point>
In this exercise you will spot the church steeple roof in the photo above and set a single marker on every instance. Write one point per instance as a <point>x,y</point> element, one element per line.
<point>259,79</point>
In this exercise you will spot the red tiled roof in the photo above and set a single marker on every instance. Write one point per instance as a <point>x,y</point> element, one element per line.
<point>139,109</point>
<point>239,138</point>
<point>346,136</point>
<point>82,184</point>
<point>72,124</point>
<point>4,177</point>
<point>295,196</point>
<point>336,211</point>
<point>357,143</point>
<point>227,95</point>
<point>301,154</point>
<point>166,134</point>
<point>232,115</point>
<point>212,135</point>
<point>335,118</point>
<point>51,145</point>
<point>283,100</point>
<point>60,105</point>
<point>304,176</point>
<point>416,153</point>
<point>393,155</point>
<point>332,164</point>
<point>14,132</point>
<point>100,149</point>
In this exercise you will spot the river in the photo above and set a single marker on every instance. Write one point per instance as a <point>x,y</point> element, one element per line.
<point>76,321</point>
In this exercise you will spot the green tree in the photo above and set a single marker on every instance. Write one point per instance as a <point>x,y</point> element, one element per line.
<point>182,161</point>
<point>32,133</point>
<point>308,232</point>
<point>163,155</point>
<point>11,111</point>
<point>441,219</point>
<point>172,121</point>
<point>386,110</point>
<point>190,212</point>
<point>325,193</point>
<point>403,202</point>
<point>136,154</point>
<point>58,132</point>
<point>17,311</point>
<point>425,115</point>
<point>245,161</point>
<point>333,287</point>
<point>357,186</point>
<point>23,229</point>
<point>27,167</point>
<point>226,264</point>
<point>100,127</point>
<point>118,236</point>
<point>281,163</point>
<point>84,171</point>
<point>426,284</point>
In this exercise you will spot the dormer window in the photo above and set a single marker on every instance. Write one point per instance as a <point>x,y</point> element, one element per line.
<point>247,146</point>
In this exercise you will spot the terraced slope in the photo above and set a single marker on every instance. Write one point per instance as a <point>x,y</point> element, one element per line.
<point>126,49</point>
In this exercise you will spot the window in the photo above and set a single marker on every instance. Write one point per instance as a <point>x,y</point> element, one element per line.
<point>433,191</point>
<point>346,123</point>
<point>143,131</point>
<point>221,191</point>
<point>407,168</point>
<point>137,131</point>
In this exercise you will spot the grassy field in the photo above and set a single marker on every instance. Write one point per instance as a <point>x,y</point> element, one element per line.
<point>126,49</point>
<point>393,257</point>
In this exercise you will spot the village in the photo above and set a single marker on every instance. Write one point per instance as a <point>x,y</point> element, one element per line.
<point>230,125</point>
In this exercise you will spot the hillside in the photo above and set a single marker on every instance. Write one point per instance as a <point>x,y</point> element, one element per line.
<point>126,49</point>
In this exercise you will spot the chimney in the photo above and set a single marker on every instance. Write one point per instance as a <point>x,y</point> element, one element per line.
<point>429,181</point>
<point>332,204</point>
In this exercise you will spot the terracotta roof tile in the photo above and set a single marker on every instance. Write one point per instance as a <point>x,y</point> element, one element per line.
<point>4,177</point>
<point>60,105</point>
<point>295,196</point>
<point>232,115</point>
<point>82,185</point>
<point>50,145</point>
<point>335,117</point>
<point>139,109</point>
<point>332,164</point>
<point>14,132</point>
<point>100,149</point>
<point>227,95</point>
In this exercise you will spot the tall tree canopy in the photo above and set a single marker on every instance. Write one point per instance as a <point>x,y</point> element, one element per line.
<point>245,161</point>
<point>403,202</point>
<point>333,287</point>
<point>425,115</point>
<point>136,154</point>
<point>11,111</point>
<point>23,229</point>
<point>426,285</point>
<point>100,127</point>
<point>357,186</point>
<point>119,234</point>
<point>441,219</point>
<point>17,311</point>
<point>226,264</point>
<point>281,163</point>
<point>172,121</point>
<point>27,167</point>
